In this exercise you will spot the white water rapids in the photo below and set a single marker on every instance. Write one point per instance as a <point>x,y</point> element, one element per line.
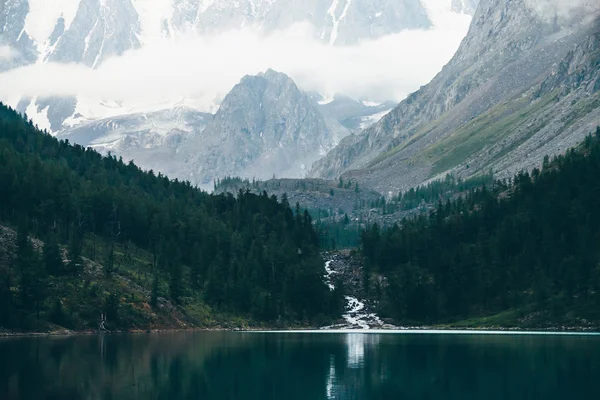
<point>356,315</point>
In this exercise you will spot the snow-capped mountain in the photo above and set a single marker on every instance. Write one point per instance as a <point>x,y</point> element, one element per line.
<point>91,31</point>
<point>69,31</point>
<point>337,22</point>
<point>265,126</point>
<point>88,33</point>
<point>352,114</point>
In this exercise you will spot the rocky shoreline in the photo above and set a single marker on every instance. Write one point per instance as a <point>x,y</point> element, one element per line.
<point>333,328</point>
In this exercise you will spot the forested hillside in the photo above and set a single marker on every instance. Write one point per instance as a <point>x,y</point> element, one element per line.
<point>524,252</point>
<point>247,256</point>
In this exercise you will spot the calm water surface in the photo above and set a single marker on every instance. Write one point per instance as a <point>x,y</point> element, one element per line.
<point>231,365</point>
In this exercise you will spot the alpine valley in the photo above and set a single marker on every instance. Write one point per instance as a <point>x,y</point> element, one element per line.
<point>341,197</point>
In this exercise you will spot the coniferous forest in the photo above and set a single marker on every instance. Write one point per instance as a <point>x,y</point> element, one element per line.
<point>526,247</point>
<point>88,228</point>
<point>95,217</point>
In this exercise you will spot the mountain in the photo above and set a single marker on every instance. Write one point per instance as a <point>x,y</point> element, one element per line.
<point>265,126</point>
<point>337,22</point>
<point>523,84</point>
<point>293,125</point>
<point>85,32</point>
<point>74,31</point>
<point>12,22</point>
<point>89,32</point>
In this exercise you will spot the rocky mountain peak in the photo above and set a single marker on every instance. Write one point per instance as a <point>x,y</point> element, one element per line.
<point>265,126</point>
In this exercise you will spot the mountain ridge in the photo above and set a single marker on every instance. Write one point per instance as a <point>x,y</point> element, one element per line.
<point>507,52</point>
<point>277,127</point>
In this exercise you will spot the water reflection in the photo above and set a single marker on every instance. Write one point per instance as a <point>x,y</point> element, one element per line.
<point>331,378</point>
<point>220,365</point>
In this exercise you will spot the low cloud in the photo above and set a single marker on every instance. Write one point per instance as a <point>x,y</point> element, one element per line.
<point>7,53</point>
<point>204,69</point>
<point>564,10</point>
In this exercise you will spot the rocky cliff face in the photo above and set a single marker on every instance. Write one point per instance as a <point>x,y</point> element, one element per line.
<point>265,126</point>
<point>473,103</point>
<point>101,29</point>
<point>12,23</point>
<point>97,30</point>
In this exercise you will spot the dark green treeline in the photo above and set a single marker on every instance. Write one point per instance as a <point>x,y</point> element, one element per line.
<point>532,244</point>
<point>249,255</point>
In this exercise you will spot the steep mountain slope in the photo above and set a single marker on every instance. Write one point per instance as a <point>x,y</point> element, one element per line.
<point>521,85</point>
<point>265,126</point>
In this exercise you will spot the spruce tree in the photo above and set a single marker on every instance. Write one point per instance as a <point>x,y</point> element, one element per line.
<point>155,294</point>
<point>33,276</point>
<point>52,257</point>
<point>75,265</point>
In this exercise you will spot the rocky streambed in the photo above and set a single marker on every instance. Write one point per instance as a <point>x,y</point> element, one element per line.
<point>359,313</point>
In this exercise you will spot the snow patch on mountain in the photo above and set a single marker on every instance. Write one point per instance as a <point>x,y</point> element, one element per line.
<point>336,21</point>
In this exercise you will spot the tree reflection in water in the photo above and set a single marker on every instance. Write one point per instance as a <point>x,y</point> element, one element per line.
<point>228,365</point>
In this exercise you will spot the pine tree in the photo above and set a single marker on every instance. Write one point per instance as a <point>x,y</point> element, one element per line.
<point>155,294</point>
<point>75,264</point>
<point>52,257</point>
<point>33,277</point>
<point>109,264</point>
<point>176,283</point>
<point>111,308</point>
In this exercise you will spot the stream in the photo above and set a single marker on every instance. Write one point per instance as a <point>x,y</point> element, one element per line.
<point>358,314</point>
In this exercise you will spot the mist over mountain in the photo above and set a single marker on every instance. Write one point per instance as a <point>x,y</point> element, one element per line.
<point>103,59</point>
